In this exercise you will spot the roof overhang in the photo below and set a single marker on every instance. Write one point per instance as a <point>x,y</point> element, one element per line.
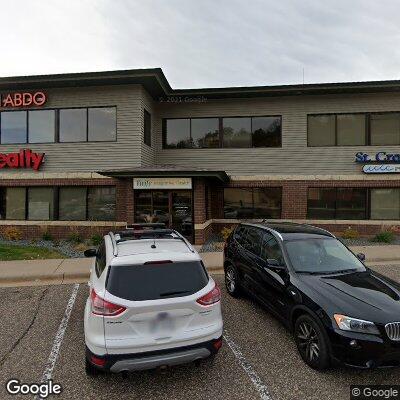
<point>152,173</point>
<point>156,84</point>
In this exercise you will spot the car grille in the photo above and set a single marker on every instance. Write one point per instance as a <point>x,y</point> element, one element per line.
<point>393,330</point>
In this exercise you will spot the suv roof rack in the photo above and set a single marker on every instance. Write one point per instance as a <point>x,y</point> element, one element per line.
<point>152,233</point>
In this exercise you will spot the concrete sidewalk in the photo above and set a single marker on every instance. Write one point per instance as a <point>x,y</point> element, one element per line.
<point>39,272</point>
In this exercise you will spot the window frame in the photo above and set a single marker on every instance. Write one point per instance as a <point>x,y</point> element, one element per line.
<point>220,131</point>
<point>367,116</point>
<point>57,124</point>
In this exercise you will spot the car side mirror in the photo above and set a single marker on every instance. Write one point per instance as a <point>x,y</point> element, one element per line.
<point>361,256</point>
<point>90,253</point>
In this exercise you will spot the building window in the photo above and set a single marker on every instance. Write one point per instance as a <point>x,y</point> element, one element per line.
<point>362,129</point>
<point>102,124</point>
<point>40,203</point>
<point>65,203</point>
<point>42,126</point>
<point>247,203</point>
<point>15,203</point>
<point>385,129</point>
<point>101,203</point>
<point>236,132</point>
<point>205,132</point>
<point>385,204</point>
<point>73,125</point>
<point>72,203</point>
<point>266,131</point>
<point>351,130</point>
<point>147,128</point>
<point>337,203</point>
<point>13,127</point>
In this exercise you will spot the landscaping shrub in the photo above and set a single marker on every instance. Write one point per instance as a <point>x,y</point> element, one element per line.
<point>350,233</point>
<point>226,231</point>
<point>96,239</point>
<point>75,237</point>
<point>384,237</point>
<point>47,236</point>
<point>12,233</point>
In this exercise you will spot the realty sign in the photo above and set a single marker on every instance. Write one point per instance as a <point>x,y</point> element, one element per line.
<point>25,158</point>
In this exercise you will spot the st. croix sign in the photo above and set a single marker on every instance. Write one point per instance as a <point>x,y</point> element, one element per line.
<point>380,163</point>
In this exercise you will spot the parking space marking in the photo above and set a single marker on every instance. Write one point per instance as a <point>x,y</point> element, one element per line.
<point>51,362</point>
<point>252,374</point>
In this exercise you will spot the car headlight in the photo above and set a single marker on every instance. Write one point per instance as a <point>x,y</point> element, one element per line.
<point>355,325</point>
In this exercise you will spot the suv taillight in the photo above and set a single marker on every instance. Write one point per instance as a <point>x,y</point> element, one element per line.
<point>212,297</point>
<point>104,307</point>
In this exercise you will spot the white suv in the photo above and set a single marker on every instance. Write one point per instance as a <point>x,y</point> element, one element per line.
<point>151,303</point>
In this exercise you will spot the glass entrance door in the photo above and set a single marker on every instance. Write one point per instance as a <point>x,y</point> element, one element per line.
<point>173,208</point>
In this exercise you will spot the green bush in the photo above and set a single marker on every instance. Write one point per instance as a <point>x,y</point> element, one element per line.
<point>75,237</point>
<point>47,236</point>
<point>96,239</point>
<point>384,237</point>
<point>350,233</point>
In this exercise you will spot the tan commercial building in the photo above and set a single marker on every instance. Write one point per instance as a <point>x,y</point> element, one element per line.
<point>91,151</point>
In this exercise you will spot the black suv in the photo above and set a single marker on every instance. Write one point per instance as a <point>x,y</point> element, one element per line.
<point>338,309</point>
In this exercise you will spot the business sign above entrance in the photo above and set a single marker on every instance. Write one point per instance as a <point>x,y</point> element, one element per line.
<point>380,163</point>
<point>22,99</point>
<point>24,159</point>
<point>162,183</point>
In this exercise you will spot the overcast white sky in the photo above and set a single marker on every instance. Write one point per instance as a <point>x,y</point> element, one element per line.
<point>205,43</point>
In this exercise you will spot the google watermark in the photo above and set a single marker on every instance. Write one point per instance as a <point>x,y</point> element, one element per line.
<point>374,392</point>
<point>41,390</point>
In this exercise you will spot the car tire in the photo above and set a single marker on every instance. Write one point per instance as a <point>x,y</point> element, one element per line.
<point>232,281</point>
<point>90,369</point>
<point>312,343</point>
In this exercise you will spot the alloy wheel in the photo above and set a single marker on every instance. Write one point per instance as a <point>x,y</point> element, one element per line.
<point>230,280</point>
<point>308,341</point>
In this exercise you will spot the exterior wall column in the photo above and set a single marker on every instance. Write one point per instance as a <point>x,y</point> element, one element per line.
<point>294,200</point>
<point>125,200</point>
<point>199,209</point>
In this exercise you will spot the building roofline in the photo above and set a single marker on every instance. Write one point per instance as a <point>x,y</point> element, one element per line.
<point>155,82</point>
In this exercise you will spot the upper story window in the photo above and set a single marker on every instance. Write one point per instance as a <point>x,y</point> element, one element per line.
<point>147,128</point>
<point>361,129</point>
<point>62,125</point>
<point>225,132</point>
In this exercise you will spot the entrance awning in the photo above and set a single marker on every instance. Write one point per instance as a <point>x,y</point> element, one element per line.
<point>166,171</point>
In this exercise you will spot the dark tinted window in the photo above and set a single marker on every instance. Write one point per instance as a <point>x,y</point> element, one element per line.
<point>351,129</point>
<point>321,203</point>
<point>385,129</point>
<point>156,281</point>
<point>177,133</point>
<point>101,203</point>
<point>73,125</point>
<point>237,132</point>
<point>351,203</point>
<point>2,203</point>
<point>101,259</point>
<point>42,126</point>
<point>247,203</point>
<point>205,132</point>
<point>270,248</point>
<point>40,203</point>
<point>321,130</point>
<point>72,203</point>
<point>102,124</point>
<point>266,131</point>
<point>254,237</point>
<point>147,128</point>
<point>13,126</point>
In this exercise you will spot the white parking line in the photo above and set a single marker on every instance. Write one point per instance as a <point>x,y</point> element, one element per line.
<point>51,362</point>
<point>252,374</point>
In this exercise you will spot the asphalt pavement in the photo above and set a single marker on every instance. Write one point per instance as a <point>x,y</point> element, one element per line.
<point>258,358</point>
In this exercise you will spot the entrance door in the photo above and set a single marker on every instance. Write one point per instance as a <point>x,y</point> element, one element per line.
<point>173,208</point>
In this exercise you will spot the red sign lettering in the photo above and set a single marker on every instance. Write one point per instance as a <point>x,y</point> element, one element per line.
<point>23,99</point>
<point>24,159</point>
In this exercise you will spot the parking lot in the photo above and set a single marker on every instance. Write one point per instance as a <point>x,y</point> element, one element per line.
<point>258,359</point>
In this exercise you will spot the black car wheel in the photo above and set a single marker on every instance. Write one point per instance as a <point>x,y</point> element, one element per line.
<point>311,343</point>
<point>232,282</point>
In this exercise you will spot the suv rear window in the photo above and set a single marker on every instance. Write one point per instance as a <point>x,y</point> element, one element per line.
<point>156,281</point>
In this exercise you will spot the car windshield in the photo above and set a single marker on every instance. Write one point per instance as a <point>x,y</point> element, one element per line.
<point>324,256</point>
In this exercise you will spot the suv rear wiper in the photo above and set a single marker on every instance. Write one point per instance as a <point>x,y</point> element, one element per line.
<point>173,293</point>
